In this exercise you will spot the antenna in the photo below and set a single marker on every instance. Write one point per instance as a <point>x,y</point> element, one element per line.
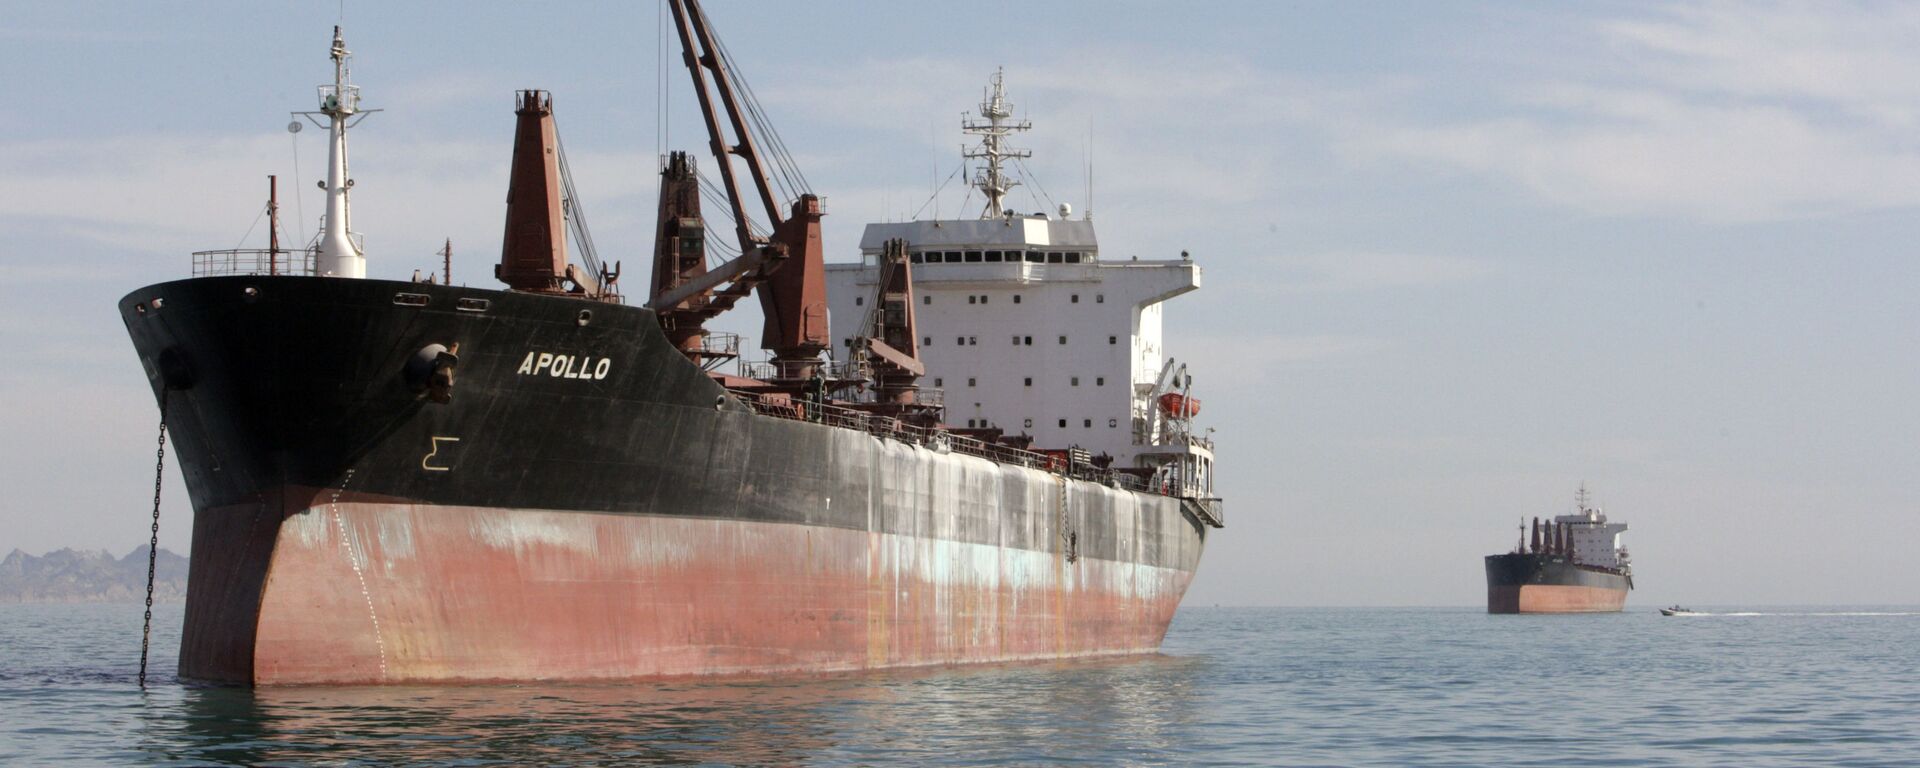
<point>1087,215</point>
<point>273,224</point>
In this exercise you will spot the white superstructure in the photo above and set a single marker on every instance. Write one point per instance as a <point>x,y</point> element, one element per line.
<point>1028,327</point>
<point>1595,541</point>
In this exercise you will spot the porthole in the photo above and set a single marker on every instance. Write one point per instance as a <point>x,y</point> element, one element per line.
<point>585,316</point>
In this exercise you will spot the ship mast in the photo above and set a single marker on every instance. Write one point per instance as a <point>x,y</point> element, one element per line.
<point>339,253</point>
<point>991,180</point>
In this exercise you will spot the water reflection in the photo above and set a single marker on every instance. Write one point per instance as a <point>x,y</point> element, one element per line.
<point>996,713</point>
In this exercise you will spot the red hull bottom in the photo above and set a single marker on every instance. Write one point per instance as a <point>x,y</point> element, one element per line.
<point>1554,598</point>
<point>386,592</point>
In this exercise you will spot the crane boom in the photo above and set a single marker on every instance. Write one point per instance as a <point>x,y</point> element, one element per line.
<point>786,268</point>
<point>702,54</point>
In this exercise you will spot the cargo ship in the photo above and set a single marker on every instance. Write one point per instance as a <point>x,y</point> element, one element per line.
<point>1570,564</point>
<point>415,481</point>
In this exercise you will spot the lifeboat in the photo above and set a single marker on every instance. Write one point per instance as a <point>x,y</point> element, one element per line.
<point>1179,406</point>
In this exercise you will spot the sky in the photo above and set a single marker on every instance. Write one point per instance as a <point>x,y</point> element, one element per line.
<point>1459,258</point>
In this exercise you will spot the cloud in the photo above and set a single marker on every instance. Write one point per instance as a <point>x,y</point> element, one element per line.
<point>1836,54</point>
<point>164,196</point>
<point>1345,271</point>
<point>1247,363</point>
<point>1723,113</point>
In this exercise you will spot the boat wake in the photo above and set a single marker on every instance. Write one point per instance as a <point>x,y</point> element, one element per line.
<point>1798,613</point>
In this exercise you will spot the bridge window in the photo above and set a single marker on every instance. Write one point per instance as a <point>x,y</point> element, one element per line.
<point>1054,257</point>
<point>973,257</point>
<point>1073,257</point>
<point>1036,257</point>
<point>993,256</point>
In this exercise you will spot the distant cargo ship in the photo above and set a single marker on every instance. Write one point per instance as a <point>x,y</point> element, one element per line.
<point>1571,564</point>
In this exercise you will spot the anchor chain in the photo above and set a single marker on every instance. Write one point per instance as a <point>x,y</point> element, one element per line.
<point>153,545</point>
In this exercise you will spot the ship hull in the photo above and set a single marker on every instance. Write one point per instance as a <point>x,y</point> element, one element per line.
<point>622,519</point>
<point>1530,583</point>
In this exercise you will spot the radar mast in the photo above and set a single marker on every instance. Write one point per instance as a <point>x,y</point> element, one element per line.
<point>340,253</point>
<point>991,180</point>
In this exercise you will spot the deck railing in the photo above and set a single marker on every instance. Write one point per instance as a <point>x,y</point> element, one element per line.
<point>254,261</point>
<point>943,441</point>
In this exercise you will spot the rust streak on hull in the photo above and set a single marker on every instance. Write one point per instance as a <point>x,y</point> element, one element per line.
<point>360,591</point>
<point>1554,598</point>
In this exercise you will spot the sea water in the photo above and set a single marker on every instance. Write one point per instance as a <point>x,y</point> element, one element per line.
<point>1233,686</point>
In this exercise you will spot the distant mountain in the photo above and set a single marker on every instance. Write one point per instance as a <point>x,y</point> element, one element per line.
<point>77,576</point>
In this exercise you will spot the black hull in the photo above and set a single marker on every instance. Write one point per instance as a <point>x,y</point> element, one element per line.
<point>1513,570</point>
<point>1535,583</point>
<point>287,394</point>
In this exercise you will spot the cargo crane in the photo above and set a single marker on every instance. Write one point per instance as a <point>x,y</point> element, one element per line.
<point>542,208</point>
<point>785,265</point>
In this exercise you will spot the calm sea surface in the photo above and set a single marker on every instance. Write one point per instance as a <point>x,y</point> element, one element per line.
<point>1776,686</point>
